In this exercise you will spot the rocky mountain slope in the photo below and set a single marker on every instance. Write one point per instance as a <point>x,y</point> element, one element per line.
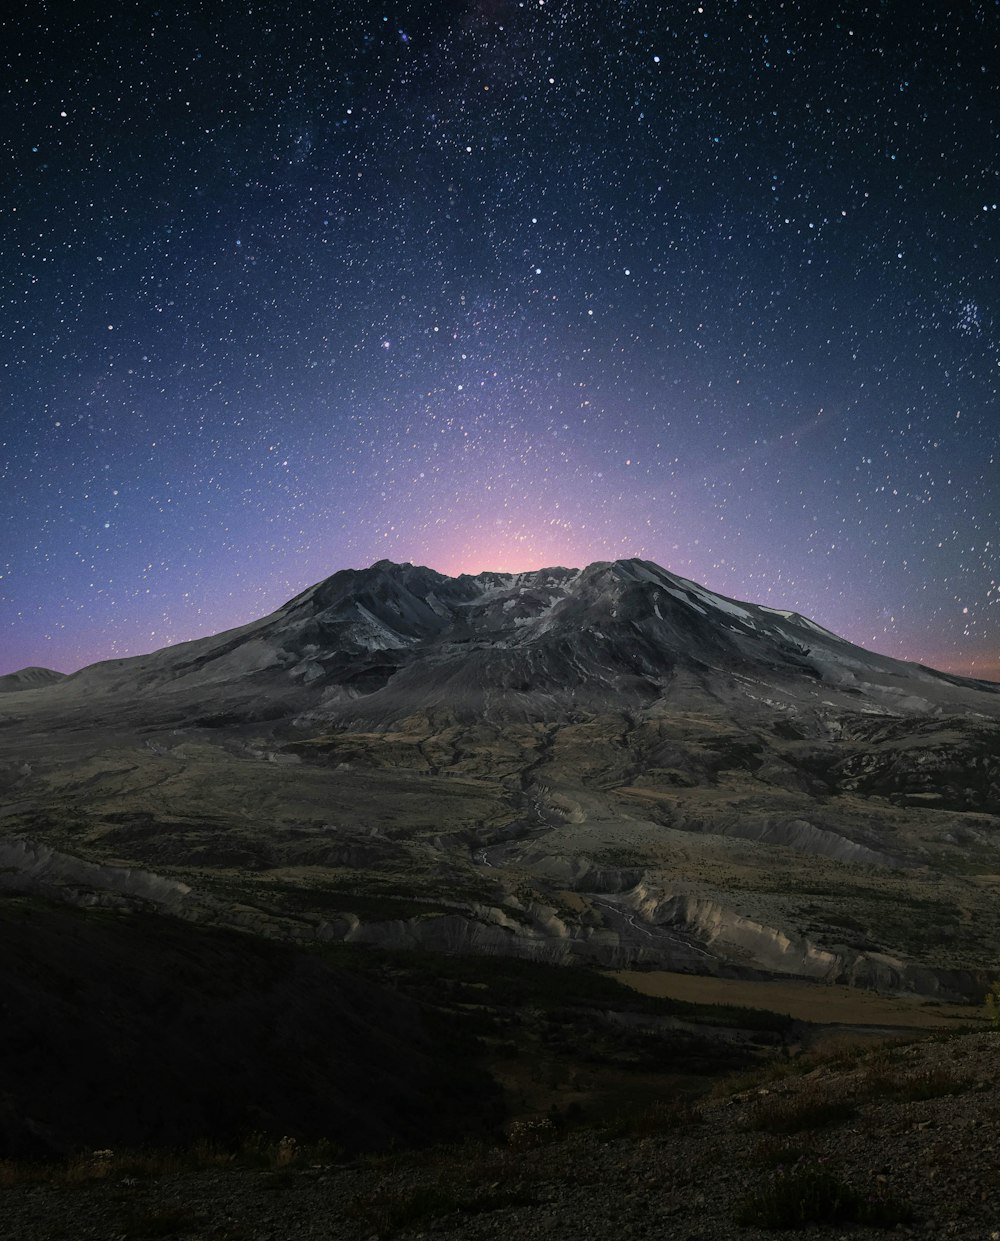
<point>609,765</point>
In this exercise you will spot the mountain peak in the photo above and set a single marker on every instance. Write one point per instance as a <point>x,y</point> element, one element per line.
<point>393,640</point>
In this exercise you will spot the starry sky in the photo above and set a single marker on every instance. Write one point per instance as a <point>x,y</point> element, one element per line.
<point>498,284</point>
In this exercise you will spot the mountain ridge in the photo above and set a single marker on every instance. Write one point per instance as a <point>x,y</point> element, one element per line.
<point>385,640</point>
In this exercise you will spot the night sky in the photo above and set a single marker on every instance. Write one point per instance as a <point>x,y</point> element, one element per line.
<point>483,284</point>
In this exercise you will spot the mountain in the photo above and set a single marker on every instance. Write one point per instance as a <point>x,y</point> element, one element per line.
<point>381,644</point>
<point>29,678</point>
<point>609,764</point>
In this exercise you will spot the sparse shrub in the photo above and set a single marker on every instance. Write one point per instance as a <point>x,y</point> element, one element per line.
<point>812,1195</point>
<point>391,1210</point>
<point>395,1209</point>
<point>833,1055</point>
<point>126,1166</point>
<point>286,1151</point>
<point>260,1150</point>
<point>526,1134</point>
<point>664,1116</point>
<point>208,1154</point>
<point>778,1153</point>
<point>758,1077</point>
<point>109,1165</point>
<point>799,1113</point>
<point>675,1114</point>
<point>913,1087</point>
<point>12,1172</point>
<point>167,1222</point>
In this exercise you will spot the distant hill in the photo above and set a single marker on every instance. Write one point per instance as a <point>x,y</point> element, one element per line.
<point>29,678</point>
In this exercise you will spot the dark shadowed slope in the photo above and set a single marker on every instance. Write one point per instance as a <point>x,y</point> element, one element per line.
<point>135,1029</point>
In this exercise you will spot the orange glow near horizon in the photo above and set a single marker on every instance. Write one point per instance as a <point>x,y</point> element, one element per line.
<point>512,551</point>
<point>986,668</point>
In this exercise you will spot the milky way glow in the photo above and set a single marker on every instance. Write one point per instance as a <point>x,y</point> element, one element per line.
<point>294,287</point>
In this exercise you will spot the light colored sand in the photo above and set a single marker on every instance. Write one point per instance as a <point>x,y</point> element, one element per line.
<point>804,1001</point>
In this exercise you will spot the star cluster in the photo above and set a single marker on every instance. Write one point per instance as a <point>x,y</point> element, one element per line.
<point>499,284</point>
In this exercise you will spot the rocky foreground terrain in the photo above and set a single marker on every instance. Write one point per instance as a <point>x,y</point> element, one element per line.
<point>902,1138</point>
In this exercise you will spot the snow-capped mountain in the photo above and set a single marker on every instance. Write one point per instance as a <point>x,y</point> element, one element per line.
<point>389,641</point>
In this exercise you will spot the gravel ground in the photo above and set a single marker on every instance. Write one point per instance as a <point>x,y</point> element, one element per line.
<point>939,1155</point>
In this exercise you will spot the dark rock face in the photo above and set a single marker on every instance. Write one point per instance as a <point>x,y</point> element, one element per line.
<point>140,1030</point>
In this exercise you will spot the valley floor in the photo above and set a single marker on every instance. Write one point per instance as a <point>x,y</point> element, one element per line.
<point>826,1005</point>
<point>906,1132</point>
